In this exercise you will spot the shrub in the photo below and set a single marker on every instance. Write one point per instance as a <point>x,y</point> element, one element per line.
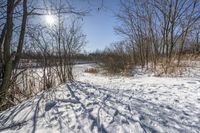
<point>91,70</point>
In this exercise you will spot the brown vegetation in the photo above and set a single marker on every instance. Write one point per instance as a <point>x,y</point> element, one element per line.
<point>91,70</point>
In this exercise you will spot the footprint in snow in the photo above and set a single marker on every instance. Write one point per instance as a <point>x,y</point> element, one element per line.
<point>152,92</point>
<point>198,80</point>
<point>176,100</point>
<point>168,107</point>
<point>190,82</point>
<point>49,105</point>
<point>185,113</point>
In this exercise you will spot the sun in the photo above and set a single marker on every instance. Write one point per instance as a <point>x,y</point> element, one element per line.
<point>50,19</point>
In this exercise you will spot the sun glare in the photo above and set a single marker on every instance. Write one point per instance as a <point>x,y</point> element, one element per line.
<point>50,20</point>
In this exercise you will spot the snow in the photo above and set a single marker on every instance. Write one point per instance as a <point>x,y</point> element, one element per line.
<point>95,103</point>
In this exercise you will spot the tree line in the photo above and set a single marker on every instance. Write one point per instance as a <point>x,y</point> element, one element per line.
<point>156,33</point>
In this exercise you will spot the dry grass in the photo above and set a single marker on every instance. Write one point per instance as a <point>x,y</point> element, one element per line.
<point>91,70</point>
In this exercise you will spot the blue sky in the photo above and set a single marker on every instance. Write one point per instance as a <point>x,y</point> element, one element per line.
<point>98,25</point>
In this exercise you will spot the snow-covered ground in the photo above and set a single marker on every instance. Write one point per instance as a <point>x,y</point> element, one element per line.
<point>110,104</point>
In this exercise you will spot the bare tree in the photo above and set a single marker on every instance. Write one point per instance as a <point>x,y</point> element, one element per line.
<point>157,28</point>
<point>69,41</point>
<point>42,43</point>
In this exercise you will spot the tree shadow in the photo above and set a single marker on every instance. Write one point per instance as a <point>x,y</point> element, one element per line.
<point>172,118</point>
<point>76,103</point>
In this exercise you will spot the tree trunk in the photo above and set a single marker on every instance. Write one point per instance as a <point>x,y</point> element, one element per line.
<point>7,66</point>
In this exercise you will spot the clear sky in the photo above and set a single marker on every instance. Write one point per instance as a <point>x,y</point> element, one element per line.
<point>98,25</point>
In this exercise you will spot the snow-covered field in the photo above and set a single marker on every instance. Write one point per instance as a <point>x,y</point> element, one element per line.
<point>110,104</point>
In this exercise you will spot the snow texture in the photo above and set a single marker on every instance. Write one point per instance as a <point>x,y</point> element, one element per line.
<point>102,104</point>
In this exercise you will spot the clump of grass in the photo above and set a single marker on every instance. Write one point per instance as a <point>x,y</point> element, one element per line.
<point>91,70</point>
